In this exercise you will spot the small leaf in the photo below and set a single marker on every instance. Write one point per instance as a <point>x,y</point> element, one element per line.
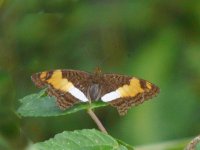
<point>87,139</point>
<point>32,96</point>
<point>129,147</point>
<point>39,104</point>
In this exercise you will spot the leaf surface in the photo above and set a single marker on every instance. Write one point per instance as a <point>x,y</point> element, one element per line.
<point>40,105</point>
<point>87,139</point>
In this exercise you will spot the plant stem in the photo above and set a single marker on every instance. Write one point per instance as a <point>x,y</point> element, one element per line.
<point>97,121</point>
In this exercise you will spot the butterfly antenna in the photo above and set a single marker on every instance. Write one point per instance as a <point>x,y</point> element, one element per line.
<point>87,53</point>
<point>97,70</point>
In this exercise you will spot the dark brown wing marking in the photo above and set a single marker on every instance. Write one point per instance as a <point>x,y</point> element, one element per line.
<point>64,100</point>
<point>111,82</point>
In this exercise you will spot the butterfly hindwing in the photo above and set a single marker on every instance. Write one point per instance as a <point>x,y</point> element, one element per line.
<point>124,92</point>
<point>68,86</point>
<point>64,100</point>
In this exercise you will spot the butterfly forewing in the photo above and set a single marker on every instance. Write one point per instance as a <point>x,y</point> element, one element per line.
<point>123,92</point>
<point>68,86</point>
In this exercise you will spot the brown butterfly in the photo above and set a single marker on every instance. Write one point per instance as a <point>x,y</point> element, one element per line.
<point>73,86</point>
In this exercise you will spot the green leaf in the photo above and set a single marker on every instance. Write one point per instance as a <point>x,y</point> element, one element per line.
<point>4,144</point>
<point>197,146</point>
<point>40,105</point>
<point>129,147</point>
<point>87,139</point>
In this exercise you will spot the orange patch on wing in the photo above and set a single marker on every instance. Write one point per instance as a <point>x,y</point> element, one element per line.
<point>132,89</point>
<point>43,75</point>
<point>58,82</point>
<point>149,86</point>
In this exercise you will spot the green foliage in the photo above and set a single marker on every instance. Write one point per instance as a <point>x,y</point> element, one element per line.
<point>4,145</point>
<point>155,40</point>
<point>40,105</point>
<point>78,140</point>
<point>168,145</point>
<point>197,146</point>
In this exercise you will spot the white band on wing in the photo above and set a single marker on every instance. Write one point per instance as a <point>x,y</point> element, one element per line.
<point>78,94</point>
<point>110,96</point>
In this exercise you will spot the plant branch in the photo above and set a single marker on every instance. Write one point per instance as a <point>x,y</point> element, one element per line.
<point>97,121</point>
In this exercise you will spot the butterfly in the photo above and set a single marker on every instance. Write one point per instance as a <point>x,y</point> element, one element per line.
<point>73,86</point>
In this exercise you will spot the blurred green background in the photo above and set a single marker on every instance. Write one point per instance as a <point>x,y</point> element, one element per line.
<point>155,40</point>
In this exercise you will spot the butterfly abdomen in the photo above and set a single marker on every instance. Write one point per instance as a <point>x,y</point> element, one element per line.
<point>94,92</point>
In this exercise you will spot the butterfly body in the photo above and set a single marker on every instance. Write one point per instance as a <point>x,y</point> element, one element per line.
<point>94,92</point>
<point>73,86</point>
